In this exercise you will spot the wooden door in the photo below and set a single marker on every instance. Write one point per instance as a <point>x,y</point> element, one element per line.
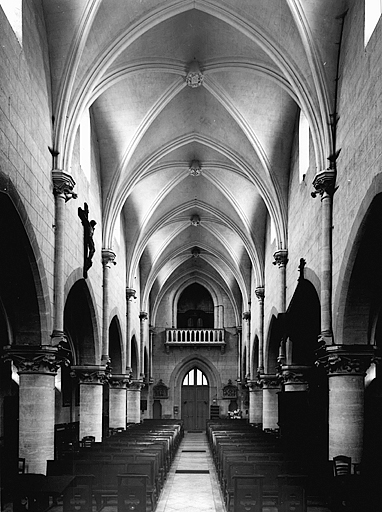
<point>195,400</point>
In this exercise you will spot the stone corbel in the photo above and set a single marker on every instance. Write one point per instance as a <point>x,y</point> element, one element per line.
<point>63,184</point>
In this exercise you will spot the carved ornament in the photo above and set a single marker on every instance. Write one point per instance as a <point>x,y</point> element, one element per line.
<point>90,374</point>
<point>33,359</point>
<point>143,315</point>
<point>270,381</point>
<point>136,385</point>
<point>281,258</point>
<point>160,390</point>
<point>254,385</point>
<point>229,391</point>
<point>348,359</point>
<point>108,257</point>
<point>63,184</point>
<point>246,315</point>
<point>260,293</point>
<point>119,381</point>
<point>130,294</point>
<point>195,220</point>
<point>195,168</point>
<point>194,76</point>
<point>324,183</point>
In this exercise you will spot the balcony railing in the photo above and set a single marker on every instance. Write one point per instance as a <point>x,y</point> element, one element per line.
<point>199,337</point>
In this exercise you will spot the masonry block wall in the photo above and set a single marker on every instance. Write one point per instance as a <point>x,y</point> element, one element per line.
<point>168,364</point>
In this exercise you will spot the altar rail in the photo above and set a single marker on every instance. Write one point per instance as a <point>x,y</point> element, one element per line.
<point>200,337</point>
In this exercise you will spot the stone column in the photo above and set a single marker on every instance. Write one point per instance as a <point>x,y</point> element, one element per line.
<point>143,317</point>
<point>324,183</point>
<point>37,368</point>
<point>63,185</point>
<point>130,295</point>
<point>91,380</point>
<point>281,260</point>
<point>271,387</point>
<point>117,401</point>
<point>133,402</point>
<point>255,403</point>
<point>108,257</point>
<point>247,320</point>
<point>346,366</point>
<point>259,292</point>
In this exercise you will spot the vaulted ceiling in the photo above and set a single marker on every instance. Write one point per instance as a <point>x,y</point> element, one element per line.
<point>199,169</point>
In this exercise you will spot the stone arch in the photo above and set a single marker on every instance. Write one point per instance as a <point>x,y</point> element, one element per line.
<point>303,324</point>
<point>80,322</point>
<point>135,357</point>
<point>115,347</point>
<point>205,284</point>
<point>184,366</point>
<point>272,343</point>
<point>25,293</point>
<point>367,215</point>
<point>254,357</point>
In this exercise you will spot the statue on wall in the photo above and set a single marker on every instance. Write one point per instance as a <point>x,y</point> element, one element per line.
<point>89,246</point>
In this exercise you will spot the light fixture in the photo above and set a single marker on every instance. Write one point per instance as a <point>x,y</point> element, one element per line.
<point>194,76</point>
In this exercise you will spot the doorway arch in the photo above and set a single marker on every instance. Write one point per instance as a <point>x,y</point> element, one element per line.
<point>195,399</point>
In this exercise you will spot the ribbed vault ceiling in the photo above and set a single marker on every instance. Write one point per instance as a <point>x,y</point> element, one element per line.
<point>261,60</point>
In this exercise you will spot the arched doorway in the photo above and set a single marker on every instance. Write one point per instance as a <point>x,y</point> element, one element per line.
<point>195,400</point>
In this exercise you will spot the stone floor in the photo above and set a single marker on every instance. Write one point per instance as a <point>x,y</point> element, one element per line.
<point>192,492</point>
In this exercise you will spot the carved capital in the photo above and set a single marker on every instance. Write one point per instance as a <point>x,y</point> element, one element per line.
<point>348,359</point>
<point>324,182</point>
<point>143,316</point>
<point>130,294</point>
<point>281,258</point>
<point>294,374</point>
<point>32,359</point>
<point>90,374</point>
<point>270,381</point>
<point>63,184</point>
<point>119,381</point>
<point>260,293</point>
<point>136,385</point>
<point>246,315</point>
<point>108,257</point>
<point>254,385</point>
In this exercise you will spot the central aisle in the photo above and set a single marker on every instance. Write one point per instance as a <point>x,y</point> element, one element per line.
<point>192,485</point>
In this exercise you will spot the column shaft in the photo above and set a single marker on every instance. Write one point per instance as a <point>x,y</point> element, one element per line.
<point>36,420</point>
<point>255,405</point>
<point>133,403</point>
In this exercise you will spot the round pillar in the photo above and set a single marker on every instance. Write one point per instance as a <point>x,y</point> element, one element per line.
<point>37,367</point>
<point>108,257</point>
<point>117,401</point>
<point>130,296</point>
<point>91,380</point>
<point>63,185</point>
<point>133,402</point>
<point>346,366</point>
<point>271,387</point>
<point>255,403</point>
